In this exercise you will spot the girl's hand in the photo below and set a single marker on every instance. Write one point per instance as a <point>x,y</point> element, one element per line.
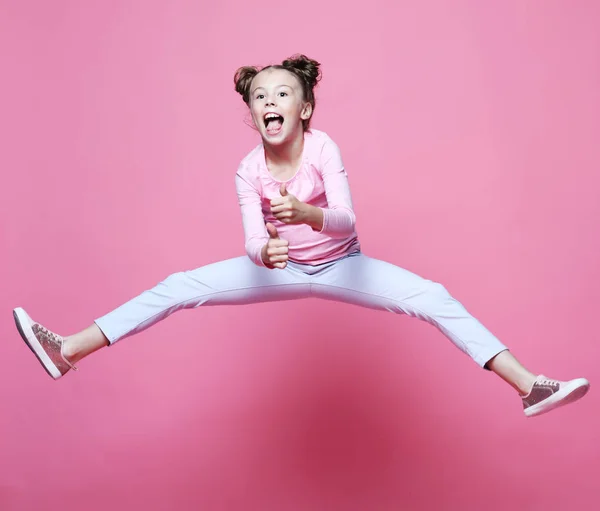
<point>275,252</point>
<point>288,209</point>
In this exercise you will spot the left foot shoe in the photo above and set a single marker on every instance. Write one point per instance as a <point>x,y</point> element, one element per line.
<point>547,394</point>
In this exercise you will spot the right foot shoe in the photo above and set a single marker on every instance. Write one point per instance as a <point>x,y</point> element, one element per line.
<point>547,394</point>
<point>46,345</point>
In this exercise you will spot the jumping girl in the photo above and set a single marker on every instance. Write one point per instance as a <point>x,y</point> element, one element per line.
<point>300,242</point>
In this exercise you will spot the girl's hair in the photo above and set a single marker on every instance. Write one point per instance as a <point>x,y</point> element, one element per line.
<point>306,70</point>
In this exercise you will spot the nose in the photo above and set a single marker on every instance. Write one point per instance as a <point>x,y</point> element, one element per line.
<point>270,101</point>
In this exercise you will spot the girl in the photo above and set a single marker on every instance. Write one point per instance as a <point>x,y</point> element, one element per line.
<point>301,242</point>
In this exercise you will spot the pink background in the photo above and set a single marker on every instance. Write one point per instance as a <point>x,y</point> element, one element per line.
<point>470,133</point>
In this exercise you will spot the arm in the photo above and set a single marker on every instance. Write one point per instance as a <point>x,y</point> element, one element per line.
<point>255,232</point>
<point>338,218</point>
<point>313,216</point>
<point>335,221</point>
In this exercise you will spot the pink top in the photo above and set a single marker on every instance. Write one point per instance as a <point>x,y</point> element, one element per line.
<point>321,181</point>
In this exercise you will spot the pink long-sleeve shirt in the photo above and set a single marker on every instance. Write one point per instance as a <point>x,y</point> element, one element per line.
<point>321,181</point>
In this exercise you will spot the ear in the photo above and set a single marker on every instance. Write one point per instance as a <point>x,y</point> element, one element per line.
<point>306,112</point>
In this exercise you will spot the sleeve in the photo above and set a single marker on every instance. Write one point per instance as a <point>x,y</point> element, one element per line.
<point>255,232</point>
<point>338,218</point>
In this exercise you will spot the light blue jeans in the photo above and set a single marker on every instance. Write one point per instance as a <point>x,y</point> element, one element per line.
<point>355,279</point>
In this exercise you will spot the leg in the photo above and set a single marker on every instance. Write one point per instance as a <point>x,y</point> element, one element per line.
<point>375,284</point>
<point>512,371</point>
<point>235,281</point>
<point>84,343</point>
<point>232,282</point>
<point>368,282</point>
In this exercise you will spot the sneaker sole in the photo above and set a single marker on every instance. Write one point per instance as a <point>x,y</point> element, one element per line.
<point>24,322</point>
<point>570,393</point>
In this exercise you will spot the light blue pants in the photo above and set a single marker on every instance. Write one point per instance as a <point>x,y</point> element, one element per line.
<point>355,279</point>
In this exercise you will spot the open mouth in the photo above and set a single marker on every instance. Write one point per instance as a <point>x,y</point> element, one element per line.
<point>273,123</point>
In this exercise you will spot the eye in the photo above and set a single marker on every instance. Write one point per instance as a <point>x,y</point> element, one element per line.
<point>260,96</point>
<point>283,94</point>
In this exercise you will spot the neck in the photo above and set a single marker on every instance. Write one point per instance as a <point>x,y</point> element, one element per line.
<point>288,153</point>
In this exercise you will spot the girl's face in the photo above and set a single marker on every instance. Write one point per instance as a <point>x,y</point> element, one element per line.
<point>277,105</point>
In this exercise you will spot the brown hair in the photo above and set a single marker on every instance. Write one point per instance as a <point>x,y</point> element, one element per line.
<point>306,70</point>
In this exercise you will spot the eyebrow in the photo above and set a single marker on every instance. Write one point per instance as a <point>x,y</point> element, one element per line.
<point>281,85</point>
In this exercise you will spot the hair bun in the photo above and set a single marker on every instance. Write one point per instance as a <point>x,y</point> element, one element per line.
<point>242,79</point>
<point>308,69</point>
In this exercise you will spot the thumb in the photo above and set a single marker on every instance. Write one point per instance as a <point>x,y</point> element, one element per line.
<point>272,231</point>
<point>282,190</point>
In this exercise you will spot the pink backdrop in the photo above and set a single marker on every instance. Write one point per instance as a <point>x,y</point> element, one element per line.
<point>470,132</point>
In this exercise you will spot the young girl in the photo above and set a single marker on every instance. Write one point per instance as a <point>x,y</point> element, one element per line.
<point>301,242</point>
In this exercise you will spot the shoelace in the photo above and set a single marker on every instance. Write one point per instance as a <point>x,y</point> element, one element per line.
<point>548,382</point>
<point>56,339</point>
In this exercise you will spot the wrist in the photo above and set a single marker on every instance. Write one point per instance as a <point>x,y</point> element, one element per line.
<point>313,217</point>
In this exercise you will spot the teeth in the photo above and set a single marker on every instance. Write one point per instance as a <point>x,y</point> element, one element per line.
<point>271,116</point>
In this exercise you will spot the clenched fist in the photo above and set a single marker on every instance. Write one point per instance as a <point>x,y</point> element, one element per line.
<point>275,252</point>
<point>288,209</point>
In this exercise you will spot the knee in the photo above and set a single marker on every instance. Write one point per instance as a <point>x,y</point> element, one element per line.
<point>174,279</point>
<point>438,290</point>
